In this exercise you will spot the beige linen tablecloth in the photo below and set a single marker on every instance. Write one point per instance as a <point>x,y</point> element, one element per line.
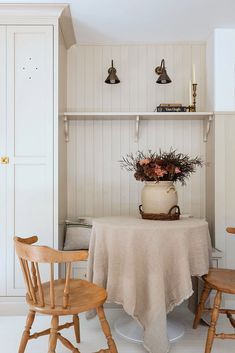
<point>147,266</point>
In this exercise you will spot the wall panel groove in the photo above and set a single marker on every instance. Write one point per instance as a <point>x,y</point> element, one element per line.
<point>96,184</point>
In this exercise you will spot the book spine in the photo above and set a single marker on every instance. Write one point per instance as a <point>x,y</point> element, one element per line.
<point>171,109</point>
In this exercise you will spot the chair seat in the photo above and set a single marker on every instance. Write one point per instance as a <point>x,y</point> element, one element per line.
<point>221,279</point>
<point>83,296</point>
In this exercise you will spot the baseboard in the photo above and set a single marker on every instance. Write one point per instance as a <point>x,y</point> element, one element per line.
<point>229,301</point>
<point>112,306</point>
<point>13,306</point>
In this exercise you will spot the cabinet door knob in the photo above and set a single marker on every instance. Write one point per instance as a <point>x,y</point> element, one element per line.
<point>4,160</point>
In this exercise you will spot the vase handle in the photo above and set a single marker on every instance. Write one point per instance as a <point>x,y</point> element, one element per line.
<point>170,188</point>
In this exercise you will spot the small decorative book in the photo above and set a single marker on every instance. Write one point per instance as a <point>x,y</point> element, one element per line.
<point>167,108</point>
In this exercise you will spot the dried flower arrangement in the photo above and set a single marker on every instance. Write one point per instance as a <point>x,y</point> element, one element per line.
<point>161,166</point>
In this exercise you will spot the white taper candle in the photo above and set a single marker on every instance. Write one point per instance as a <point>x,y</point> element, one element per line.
<point>194,74</point>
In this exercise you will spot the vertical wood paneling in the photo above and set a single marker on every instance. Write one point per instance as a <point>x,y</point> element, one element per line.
<point>125,79</point>
<point>107,181</point>
<point>79,170</point>
<point>96,184</point>
<point>98,83</point>
<point>90,68</point>
<point>72,165</point>
<point>89,167</point>
<point>97,170</point>
<point>195,179</point>
<point>135,64</point>
<point>115,168</point>
<point>124,177</point>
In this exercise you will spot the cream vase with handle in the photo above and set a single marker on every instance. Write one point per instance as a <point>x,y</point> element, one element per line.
<point>158,197</point>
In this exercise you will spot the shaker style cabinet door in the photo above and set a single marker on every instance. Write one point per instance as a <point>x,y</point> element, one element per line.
<point>2,165</point>
<point>29,142</point>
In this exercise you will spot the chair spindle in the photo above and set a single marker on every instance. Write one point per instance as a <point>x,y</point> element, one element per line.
<point>32,292</point>
<point>22,264</point>
<point>52,288</point>
<point>67,285</point>
<point>34,276</point>
<point>40,290</point>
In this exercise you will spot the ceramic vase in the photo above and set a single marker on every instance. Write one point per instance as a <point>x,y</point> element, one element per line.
<point>158,197</point>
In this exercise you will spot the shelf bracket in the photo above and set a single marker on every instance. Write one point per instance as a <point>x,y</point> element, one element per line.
<point>207,127</point>
<point>137,128</point>
<point>66,128</point>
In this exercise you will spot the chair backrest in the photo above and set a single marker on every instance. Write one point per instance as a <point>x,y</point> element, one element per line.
<point>31,256</point>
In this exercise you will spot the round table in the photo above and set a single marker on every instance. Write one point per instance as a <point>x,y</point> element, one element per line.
<point>147,266</point>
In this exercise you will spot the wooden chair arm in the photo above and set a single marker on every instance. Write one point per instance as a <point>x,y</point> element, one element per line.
<point>29,241</point>
<point>230,230</point>
<point>49,255</point>
<point>73,256</point>
<point>45,254</point>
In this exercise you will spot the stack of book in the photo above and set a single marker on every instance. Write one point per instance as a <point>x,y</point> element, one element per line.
<point>171,107</point>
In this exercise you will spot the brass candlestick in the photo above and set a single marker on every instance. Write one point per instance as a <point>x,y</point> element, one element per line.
<point>194,95</point>
<point>192,108</point>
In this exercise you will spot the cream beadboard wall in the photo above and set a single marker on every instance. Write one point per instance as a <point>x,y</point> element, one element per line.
<point>96,184</point>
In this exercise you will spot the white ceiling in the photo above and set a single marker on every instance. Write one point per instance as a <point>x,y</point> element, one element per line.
<point>147,21</point>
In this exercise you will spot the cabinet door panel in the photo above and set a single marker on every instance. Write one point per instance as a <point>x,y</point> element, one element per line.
<point>29,141</point>
<point>2,166</point>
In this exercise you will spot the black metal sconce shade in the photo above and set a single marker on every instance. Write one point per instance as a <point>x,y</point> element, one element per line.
<point>112,78</point>
<point>161,71</point>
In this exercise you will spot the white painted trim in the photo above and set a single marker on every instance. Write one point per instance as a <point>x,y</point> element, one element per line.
<point>225,113</point>
<point>137,113</point>
<point>13,306</point>
<point>165,43</point>
<point>40,14</point>
<point>32,10</point>
<point>67,29</point>
<point>141,115</point>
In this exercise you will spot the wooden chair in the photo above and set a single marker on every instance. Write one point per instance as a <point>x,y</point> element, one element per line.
<point>223,281</point>
<point>58,297</point>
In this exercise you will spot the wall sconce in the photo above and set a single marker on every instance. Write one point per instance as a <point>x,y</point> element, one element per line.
<point>161,71</point>
<point>112,77</point>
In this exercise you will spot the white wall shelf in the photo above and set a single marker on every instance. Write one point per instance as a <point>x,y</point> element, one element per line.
<point>138,116</point>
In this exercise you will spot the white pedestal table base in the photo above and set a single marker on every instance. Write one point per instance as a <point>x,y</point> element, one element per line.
<point>131,330</point>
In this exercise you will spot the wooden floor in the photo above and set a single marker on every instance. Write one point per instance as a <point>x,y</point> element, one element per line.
<point>92,338</point>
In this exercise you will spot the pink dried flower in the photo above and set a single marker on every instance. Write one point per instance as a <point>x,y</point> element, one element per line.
<point>161,166</point>
<point>144,161</point>
<point>159,171</point>
<point>177,170</point>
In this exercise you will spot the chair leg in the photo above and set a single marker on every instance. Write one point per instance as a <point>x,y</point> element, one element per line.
<point>53,334</point>
<point>214,318</point>
<point>26,333</point>
<point>76,327</point>
<point>205,294</point>
<point>106,329</point>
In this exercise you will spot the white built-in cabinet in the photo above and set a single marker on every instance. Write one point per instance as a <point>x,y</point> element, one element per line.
<point>29,140</point>
<point>29,131</point>
<point>3,194</point>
